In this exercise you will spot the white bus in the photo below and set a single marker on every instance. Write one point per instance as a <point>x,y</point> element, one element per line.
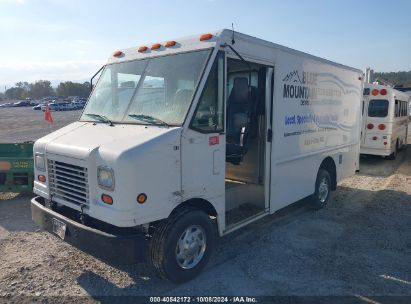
<point>385,120</point>
<point>191,138</point>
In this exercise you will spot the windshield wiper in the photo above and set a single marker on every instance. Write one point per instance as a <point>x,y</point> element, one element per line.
<point>100,118</point>
<point>149,119</point>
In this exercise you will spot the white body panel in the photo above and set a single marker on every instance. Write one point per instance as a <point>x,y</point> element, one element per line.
<point>383,142</point>
<point>295,159</point>
<point>175,165</point>
<point>138,154</point>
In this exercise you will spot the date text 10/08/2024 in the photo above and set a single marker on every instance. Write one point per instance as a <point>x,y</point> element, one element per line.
<point>237,299</point>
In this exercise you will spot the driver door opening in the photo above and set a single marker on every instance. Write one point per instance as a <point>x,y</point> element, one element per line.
<point>246,136</point>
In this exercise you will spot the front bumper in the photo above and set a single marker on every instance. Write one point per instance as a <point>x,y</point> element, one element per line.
<point>113,248</point>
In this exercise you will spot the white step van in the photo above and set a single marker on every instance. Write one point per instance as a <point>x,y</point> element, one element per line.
<point>385,120</point>
<point>188,139</point>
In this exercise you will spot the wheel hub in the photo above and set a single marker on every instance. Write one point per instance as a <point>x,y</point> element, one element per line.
<point>191,247</point>
<point>323,190</point>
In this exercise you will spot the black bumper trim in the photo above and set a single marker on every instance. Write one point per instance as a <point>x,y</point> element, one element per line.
<point>118,249</point>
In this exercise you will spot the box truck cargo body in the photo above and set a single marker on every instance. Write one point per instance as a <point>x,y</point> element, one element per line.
<point>385,120</point>
<point>191,138</point>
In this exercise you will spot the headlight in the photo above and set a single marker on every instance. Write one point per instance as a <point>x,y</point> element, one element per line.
<point>105,177</point>
<point>40,162</point>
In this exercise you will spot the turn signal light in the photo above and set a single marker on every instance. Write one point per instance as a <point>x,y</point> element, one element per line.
<point>142,49</point>
<point>107,199</point>
<point>207,36</point>
<point>374,92</point>
<point>155,46</point>
<point>41,178</point>
<point>383,92</point>
<point>170,43</point>
<point>370,126</point>
<point>5,166</point>
<point>118,54</point>
<point>141,198</point>
<point>381,126</point>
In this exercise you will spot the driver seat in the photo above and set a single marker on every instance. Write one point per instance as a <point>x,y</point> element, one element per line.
<point>239,113</point>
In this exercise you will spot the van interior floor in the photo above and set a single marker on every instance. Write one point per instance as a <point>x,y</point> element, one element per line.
<point>243,201</point>
<point>241,213</point>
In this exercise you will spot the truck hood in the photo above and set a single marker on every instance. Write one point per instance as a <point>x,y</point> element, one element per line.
<point>79,139</point>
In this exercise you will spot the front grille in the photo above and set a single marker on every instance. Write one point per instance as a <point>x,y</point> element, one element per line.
<point>68,182</point>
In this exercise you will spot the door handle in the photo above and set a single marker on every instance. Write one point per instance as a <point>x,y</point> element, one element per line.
<point>269,135</point>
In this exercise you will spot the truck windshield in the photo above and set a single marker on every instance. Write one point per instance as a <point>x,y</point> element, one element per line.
<point>378,108</point>
<point>150,91</point>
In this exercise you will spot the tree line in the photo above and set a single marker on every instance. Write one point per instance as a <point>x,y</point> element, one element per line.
<point>42,88</point>
<point>401,78</point>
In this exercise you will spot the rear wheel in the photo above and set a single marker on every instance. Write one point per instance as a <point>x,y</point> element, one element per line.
<point>181,246</point>
<point>393,155</point>
<point>322,192</point>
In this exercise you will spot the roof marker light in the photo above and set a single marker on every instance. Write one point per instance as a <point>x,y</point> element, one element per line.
<point>142,49</point>
<point>374,92</point>
<point>118,53</point>
<point>383,92</point>
<point>170,43</point>
<point>207,36</point>
<point>155,46</point>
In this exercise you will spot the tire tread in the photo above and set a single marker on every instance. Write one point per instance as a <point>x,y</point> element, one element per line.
<point>159,237</point>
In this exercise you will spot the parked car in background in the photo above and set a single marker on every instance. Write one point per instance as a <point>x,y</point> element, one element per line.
<point>6,105</point>
<point>79,105</point>
<point>52,106</point>
<point>69,106</point>
<point>60,106</point>
<point>23,103</point>
<point>38,106</point>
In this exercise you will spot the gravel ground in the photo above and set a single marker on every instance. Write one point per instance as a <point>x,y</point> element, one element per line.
<point>359,246</point>
<point>24,124</point>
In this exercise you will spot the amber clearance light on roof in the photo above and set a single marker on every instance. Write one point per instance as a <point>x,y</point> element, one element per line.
<point>118,53</point>
<point>207,36</point>
<point>156,46</point>
<point>170,43</point>
<point>142,49</point>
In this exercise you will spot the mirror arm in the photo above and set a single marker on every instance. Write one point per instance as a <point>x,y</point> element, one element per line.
<point>91,80</point>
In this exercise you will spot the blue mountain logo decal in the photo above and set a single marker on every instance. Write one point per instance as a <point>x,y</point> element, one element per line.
<point>292,77</point>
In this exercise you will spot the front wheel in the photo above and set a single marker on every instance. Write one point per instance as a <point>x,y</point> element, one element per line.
<point>322,192</point>
<point>181,246</point>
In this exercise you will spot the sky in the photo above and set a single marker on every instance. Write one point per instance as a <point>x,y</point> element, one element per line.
<point>69,40</point>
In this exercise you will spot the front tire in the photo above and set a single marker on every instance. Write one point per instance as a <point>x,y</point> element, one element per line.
<point>322,192</point>
<point>182,245</point>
